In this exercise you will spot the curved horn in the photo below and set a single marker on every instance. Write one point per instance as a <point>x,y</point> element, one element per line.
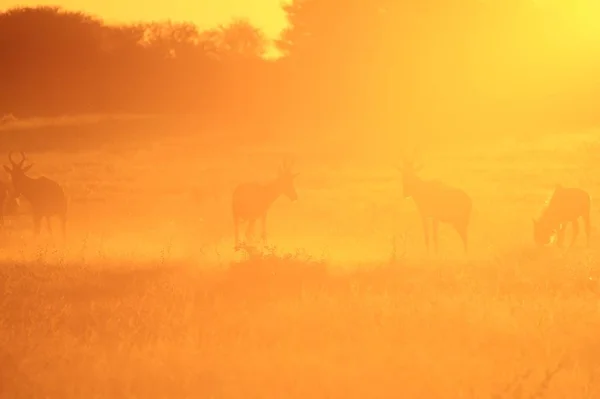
<point>23,158</point>
<point>12,161</point>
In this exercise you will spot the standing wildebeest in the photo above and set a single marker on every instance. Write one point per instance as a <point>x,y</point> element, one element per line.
<point>566,205</point>
<point>251,201</point>
<point>438,202</point>
<point>45,196</point>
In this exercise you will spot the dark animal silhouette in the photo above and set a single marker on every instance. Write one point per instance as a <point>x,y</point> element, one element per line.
<point>45,196</point>
<point>436,202</point>
<point>251,201</point>
<point>567,204</point>
<point>8,202</point>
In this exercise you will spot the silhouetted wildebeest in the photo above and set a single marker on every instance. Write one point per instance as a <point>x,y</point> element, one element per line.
<point>251,201</point>
<point>567,204</point>
<point>45,196</point>
<point>436,202</point>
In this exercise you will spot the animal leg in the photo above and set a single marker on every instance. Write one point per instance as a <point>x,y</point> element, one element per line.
<point>560,235</point>
<point>575,224</point>
<point>48,225</point>
<point>463,232</point>
<point>3,208</point>
<point>236,222</point>
<point>263,222</point>
<point>250,229</point>
<point>435,227</point>
<point>587,227</point>
<point>36,224</point>
<point>425,232</point>
<point>63,227</point>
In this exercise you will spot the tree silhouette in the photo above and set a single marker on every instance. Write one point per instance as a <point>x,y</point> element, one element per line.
<point>353,64</point>
<point>239,39</point>
<point>57,61</point>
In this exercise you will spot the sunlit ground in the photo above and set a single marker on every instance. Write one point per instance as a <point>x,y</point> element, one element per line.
<point>149,300</point>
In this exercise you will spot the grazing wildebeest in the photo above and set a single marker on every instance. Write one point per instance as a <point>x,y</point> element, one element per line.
<point>567,204</point>
<point>45,196</point>
<point>251,201</point>
<point>436,202</point>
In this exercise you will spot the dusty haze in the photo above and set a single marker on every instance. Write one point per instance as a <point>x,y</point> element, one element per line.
<point>149,128</point>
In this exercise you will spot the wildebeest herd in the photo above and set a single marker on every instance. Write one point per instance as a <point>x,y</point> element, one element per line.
<point>436,202</point>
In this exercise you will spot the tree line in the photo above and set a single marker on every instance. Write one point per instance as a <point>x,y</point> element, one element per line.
<point>345,63</point>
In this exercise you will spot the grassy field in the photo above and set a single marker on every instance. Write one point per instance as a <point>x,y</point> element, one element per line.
<point>149,300</point>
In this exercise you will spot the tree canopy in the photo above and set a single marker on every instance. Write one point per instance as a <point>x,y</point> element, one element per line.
<point>360,63</point>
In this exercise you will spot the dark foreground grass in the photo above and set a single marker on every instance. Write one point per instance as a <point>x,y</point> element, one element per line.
<point>278,326</point>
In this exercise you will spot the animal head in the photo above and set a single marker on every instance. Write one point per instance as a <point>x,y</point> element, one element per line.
<point>542,232</point>
<point>285,181</point>
<point>17,172</point>
<point>409,170</point>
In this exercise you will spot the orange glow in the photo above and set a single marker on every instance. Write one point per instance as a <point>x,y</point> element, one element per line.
<point>410,182</point>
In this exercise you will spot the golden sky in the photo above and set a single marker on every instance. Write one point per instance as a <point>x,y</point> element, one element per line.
<point>265,14</point>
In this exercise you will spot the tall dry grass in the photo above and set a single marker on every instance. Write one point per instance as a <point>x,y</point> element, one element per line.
<point>148,299</point>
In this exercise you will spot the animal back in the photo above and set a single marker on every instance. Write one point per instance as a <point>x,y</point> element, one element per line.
<point>566,204</point>
<point>250,201</point>
<point>445,203</point>
<point>46,196</point>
